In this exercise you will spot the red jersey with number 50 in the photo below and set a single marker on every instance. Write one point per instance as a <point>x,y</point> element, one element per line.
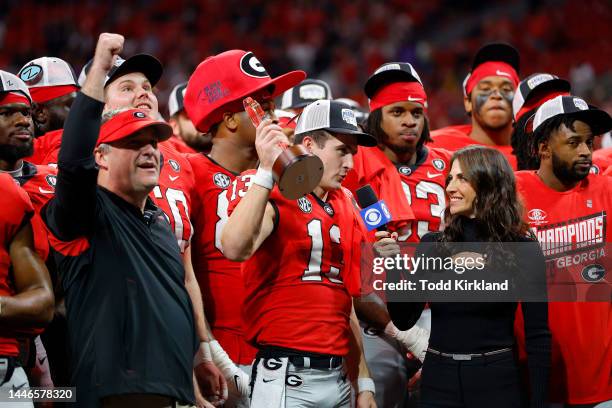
<point>581,331</point>
<point>220,279</point>
<point>16,209</point>
<point>300,280</point>
<point>172,194</point>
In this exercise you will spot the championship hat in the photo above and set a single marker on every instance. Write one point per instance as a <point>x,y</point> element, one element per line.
<point>176,99</point>
<point>535,90</point>
<point>130,121</point>
<point>220,82</point>
<point>48,78</point>
<point>598,120</point>
<point>307,91</point>
<point>13,90</point>
<point>334,117</point>
<point>145,63</point>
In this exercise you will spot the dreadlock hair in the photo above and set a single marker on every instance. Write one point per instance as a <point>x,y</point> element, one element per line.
<point>373,127</point>
<point>545,130</point>
<point>522,144</point>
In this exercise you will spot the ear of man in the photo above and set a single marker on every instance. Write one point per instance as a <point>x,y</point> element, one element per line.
<point>231,121</point>
<point>467,104</point>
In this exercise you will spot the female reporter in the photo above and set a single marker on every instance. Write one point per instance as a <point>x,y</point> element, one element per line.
<point>470,361</point>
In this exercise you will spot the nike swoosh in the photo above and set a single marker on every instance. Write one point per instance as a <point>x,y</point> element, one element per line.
<point>18,387</point>
<point>502,73</point>
<point>411,99</point>
<point>430,175</point>
<point>266,380</point>
<point>42,360</point>
<point>173,178</point>
<point>42,190</point>
<point>236,381</point>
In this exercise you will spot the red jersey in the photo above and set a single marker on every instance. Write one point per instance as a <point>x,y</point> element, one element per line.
<point>16,209</point>
<point>581,331</point>
<point>453,138</point>
<point>46,148</point>
<point>602,161</point>
<point>300,280</point>
<point>220,279</point>
<point>180,145</point>
<point>173,193</point>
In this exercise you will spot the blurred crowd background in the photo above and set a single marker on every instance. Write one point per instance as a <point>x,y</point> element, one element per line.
<point>339,41</point>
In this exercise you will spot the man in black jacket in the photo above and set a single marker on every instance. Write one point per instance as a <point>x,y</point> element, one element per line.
<point>131,324</point>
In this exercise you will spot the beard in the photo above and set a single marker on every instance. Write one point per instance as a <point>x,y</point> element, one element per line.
<point>567,173</point>
<point>12,153</point>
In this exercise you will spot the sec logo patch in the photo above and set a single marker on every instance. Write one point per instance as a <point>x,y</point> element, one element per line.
<point>221,180</point>
<point>305,205</point>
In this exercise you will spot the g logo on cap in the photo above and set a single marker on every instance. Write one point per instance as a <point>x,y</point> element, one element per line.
<point>31,74</point>
<point>139,115</point>
<point>250,65</point>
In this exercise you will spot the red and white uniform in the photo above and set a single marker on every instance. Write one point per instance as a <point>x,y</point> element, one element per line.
<point>300,281</point>
<point>180,145</point>
<point>453,138</point>
<point>602,160</point>
<point>220,279</point>
<point>46,148</point>
<point>16,209</point>
<point>581,331</point>
<point>173,193</point>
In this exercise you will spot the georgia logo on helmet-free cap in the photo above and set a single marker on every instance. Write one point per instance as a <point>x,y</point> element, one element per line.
<point>305,205</point>
<point>51,180</point>
<point>139,115</point>
<point>439,164</point>
<point>31,74</point>
<point>174,164</point>
<point>593,273</point>
<point>221,180</point>
<point>250,65</point>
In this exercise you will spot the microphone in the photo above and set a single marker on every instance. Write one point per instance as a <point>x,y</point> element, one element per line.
<point>374,213</point>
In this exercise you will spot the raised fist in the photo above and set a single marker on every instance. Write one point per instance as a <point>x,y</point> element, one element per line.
<point>107,50</point>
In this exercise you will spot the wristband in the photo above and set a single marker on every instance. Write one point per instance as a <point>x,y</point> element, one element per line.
<point>391,330</point>
<point>365,384</point>
<point>203,354</point>
<point>264,178</point>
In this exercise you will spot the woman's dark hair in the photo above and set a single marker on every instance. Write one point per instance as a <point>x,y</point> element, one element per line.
<point>373,127</point>
<point>496,205</point>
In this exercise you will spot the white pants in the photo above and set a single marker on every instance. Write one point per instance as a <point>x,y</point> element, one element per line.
<point>17,382</point>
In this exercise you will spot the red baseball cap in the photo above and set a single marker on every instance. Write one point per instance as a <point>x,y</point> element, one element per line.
<point>220,82</point>
<point>129,122</point>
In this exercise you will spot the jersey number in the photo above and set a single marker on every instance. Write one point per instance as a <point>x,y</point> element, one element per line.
<point>423,190</point>
<point>315,271</point>
<point>174,198</point>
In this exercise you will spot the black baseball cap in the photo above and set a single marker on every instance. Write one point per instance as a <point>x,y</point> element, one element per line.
<point>497,52</point>
<point>145,63</point>
<point>307,91</point>
<point>389,73</point>
<point>598,120</point>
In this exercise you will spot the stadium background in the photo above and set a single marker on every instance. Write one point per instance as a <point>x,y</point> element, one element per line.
<point>339,41</point>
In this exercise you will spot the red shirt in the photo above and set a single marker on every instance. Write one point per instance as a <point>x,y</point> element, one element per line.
<point>220,279</point>
<point>300,280</point>
<point>453,138</point>
<point>46,148</point>
<point>180,145</point>
<point>173,193</point>
<point>602,160</point>
<point>581,331</point>
<point>16,209</point>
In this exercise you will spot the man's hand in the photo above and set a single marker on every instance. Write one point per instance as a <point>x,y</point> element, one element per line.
<point>268,140</point>
<point>238,379</point>
<point>386,244</point>
<point>366,400</point>
<point>200,400</point>
<point>107,50</point>
<point>211,381</point>
<point>415,340</point>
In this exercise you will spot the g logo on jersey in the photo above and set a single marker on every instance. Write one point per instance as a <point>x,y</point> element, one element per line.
<point>405,170</point>
<point>32,74</point>
<point>250,65</point>
<point>51,180</point>
<point>174,164</point>
<point>294,380</point>
<point>221,180</point>
<point>594,169</point>
<point>328,209</point>
<point>593,273</point>
<point>272,363</point>
<point>370,331</point>
<point>305,205</point>
<point>438,164</point>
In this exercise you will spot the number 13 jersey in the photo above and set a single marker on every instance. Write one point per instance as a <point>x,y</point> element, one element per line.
<point>300,280</point>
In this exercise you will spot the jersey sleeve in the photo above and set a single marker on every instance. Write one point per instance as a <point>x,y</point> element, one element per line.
<point>238,189</point>
<point>16,207</point>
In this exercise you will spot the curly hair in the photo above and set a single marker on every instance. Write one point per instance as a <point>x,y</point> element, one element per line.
<point>496,204</point>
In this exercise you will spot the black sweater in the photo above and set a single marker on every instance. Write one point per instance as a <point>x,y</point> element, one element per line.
<point>481,327</point>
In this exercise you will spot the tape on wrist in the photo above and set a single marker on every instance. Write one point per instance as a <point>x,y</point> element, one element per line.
<point>391,330</point>
<point>264,178</point>
<point>365,384</point>
<point>203,355</point>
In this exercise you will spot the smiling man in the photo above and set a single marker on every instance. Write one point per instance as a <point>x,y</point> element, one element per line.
<point>488,91</point>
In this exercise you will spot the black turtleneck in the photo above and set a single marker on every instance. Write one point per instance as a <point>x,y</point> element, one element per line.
<point>482,327</point>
